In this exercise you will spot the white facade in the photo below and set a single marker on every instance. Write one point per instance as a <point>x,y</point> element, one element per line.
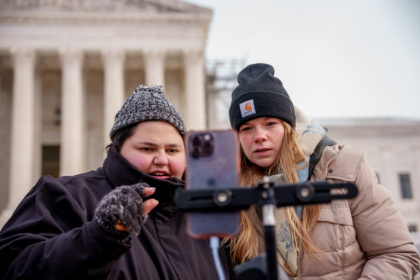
<point>392,147</point>
<point>66,67</point>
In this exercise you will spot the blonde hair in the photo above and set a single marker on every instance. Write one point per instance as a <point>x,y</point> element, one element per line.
<point>246,246</point>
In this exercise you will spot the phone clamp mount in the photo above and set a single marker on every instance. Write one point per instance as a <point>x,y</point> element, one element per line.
<point>268,195</point>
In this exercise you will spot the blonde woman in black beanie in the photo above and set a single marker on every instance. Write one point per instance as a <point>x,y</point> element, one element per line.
<point>363,238</point>
<point>119,221</point>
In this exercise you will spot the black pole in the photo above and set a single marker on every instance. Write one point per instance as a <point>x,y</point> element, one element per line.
<point>269,223</point>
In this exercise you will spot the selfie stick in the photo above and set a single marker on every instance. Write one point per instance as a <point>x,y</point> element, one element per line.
<point>269,196</point>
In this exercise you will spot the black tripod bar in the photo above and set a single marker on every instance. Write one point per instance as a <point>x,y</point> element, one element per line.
<point>268,195</point>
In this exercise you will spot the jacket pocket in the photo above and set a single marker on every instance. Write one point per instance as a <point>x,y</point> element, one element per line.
<point>336,212</point>
<point>334,231</point>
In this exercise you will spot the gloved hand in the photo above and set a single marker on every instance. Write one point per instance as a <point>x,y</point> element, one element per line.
<point>123,206</point>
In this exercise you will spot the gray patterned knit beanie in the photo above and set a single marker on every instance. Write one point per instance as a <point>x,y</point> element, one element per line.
<point>147,103</point>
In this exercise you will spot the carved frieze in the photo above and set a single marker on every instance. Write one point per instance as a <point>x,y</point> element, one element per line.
<point>172,6</point>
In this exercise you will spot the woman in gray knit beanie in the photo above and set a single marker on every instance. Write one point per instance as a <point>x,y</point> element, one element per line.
<point>119,221</point>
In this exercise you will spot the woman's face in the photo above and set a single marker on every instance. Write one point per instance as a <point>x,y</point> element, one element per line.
<point>261,140</point>
<point>156,148</point>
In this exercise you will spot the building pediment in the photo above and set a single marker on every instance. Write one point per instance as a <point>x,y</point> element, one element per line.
<point>149,6</point>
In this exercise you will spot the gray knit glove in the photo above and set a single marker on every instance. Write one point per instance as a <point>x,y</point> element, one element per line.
<point>124,204</point>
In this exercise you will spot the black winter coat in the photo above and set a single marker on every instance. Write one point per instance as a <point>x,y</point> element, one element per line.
<point>52,233</point>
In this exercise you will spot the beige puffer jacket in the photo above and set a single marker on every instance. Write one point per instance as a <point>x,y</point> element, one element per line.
<point>362,238</point>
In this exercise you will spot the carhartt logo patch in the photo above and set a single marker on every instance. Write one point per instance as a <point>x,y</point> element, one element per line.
<point>247,108</point>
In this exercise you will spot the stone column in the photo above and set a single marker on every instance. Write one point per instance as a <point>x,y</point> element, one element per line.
<point>38,125</point>
<point>388,176</point>
<point>22,130</point>
<point>154,64</point>
<point>72,115</point>
<point>195,110</point>
<point>114,88</point>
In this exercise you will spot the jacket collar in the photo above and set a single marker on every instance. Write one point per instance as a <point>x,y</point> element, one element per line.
<point>121,172</point>
<point>339,162</point>
<point>320,171</point>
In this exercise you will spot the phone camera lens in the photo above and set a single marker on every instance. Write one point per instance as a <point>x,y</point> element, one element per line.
<point>201,145</point>
<point>196,141</point>
<point>208,148</point>
<point>196,152</point>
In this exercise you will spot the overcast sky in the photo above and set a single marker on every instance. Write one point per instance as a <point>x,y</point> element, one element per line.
<point>336,58</point>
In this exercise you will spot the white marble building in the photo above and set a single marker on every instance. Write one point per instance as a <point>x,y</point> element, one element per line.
<point>66,67</point>
<point>392,148</point>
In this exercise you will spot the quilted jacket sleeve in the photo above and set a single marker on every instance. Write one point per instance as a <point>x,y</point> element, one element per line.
<point>381,230</point>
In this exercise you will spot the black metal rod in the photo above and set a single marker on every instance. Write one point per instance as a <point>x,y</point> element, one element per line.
<point>270,241</point>
<point>271,251</point>
<point>269,223</point>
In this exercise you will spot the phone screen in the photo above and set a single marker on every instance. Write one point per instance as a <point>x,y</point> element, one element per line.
<point>212,162</point>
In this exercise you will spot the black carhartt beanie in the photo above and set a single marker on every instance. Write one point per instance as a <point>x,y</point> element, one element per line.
<point>260,94</point>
